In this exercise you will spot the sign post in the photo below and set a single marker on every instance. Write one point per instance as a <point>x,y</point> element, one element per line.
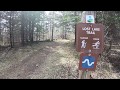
<point>89,42</point>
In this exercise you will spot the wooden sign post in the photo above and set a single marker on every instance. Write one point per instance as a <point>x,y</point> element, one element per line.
<point>89,42</point>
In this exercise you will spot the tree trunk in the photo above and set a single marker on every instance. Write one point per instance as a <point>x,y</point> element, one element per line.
<point>43,30</point>
<point>37,34</point>
<point>52,32</point>
<point>40,32</point>
<point>53,25</point>
<point>10,33</point>
<point>75,13</point>
<point>26,32</point>
<point>32,31</point>
<point>11,24</point>
<point>22,28</point>
<point>0,27</point>
<point>65,33</point>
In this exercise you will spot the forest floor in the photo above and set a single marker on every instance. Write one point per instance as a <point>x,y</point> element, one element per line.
<point>51,60</point>
<point>42,60</point>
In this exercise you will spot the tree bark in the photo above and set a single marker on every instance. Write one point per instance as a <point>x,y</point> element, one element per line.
<point>32,30</point>
<point>22,28</point>
<point>53,25</point>
<point>65,33</point>
<point>0,26</point>
<point>75,13</point>
<point>43,30</point>
<point>11,29</point>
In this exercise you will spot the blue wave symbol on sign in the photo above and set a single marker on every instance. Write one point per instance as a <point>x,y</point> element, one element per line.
<point>88,63</point>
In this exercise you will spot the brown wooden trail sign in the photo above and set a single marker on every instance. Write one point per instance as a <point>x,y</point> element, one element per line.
<point>88,62</point>
<point>89,38</point>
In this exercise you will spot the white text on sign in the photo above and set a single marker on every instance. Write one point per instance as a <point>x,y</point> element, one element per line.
<point>90,30</point>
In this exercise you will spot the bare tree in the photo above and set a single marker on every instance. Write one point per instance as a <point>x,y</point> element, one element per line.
<point>22,27</point>
<point>11,26</point>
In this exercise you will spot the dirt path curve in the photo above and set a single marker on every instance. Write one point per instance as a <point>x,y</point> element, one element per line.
<point>54,60</point>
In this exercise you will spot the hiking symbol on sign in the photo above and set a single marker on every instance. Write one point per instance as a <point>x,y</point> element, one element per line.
<point>83,44</point>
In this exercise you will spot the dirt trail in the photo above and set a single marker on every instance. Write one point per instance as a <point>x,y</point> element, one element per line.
<point>51,60</point>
